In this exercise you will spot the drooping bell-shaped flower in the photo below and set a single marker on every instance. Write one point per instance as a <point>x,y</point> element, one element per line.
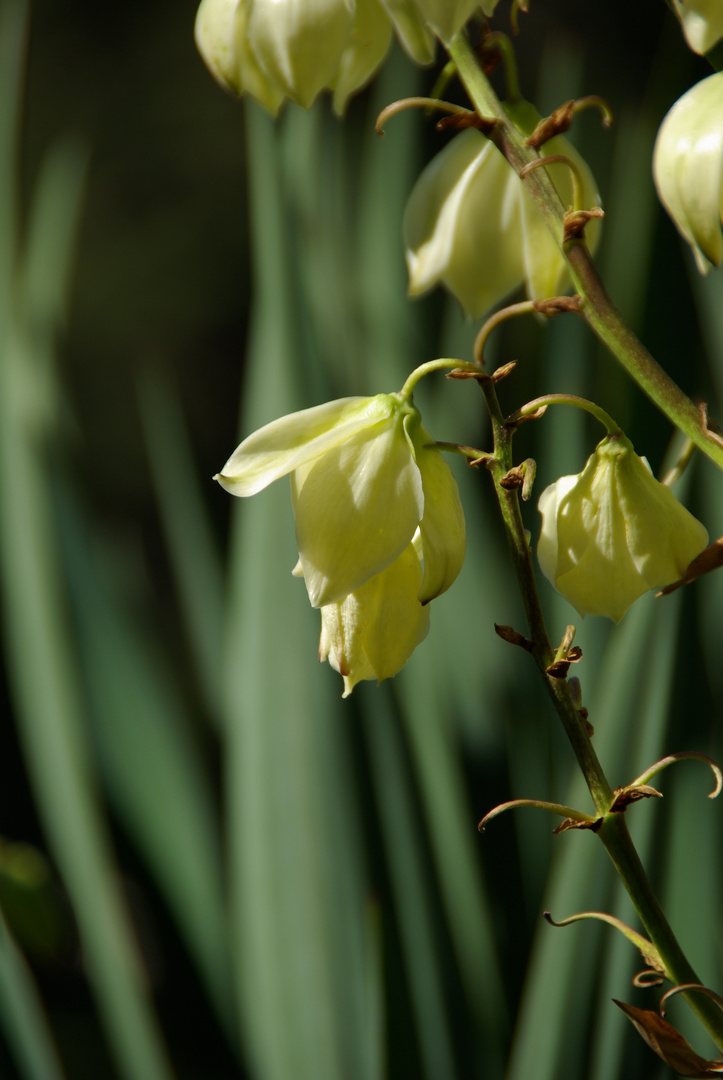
<point>471,225</point>
<point>372,632</point>
<point>278,49</point>
<point>613,532</point>
<point>702,22</point>
<point>688,168</point>
<point>364,476</point>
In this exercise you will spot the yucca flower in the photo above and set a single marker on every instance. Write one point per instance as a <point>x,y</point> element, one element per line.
<point>278,49</point>
<point>471,225</point>
<point>613,532</point>
<point>688,168</point>
<point>364,476</point>
<point>702,22</point>
<point>379,524</point>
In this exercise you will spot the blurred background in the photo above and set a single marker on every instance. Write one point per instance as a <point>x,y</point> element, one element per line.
<point>210,865</point>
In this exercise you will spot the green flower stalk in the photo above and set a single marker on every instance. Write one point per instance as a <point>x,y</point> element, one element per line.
<point>471,224</point>
<point>614,532</point>
<point>278,49</point>
<point>688,168</point>
<point>379,524</point>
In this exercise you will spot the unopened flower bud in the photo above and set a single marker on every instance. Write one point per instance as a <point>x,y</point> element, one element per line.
<point>613,532</point>
<point>688,168</point>
<point>471,224</point>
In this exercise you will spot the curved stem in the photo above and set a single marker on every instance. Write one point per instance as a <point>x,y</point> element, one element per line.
<point>525,307</point>
<point>598,309</point>
<point>565,399</point>
<point>417,103</point>
<point>428,368</point>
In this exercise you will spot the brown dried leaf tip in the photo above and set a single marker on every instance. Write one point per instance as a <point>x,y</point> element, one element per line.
<point>624,796</point>
<point>514,638</point>
<point>669,1044</point>
<point>558,305</point>
<point>558,122</point>
<point>576,220</point>
<point>571,823</point>
<point>462,120</point>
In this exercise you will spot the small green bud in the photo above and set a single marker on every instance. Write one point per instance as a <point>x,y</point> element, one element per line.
<point>471,224</point>
<point>688,168</point>
<point>613,532</point>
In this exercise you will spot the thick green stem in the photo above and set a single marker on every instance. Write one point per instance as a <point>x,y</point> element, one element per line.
<point>597,308</point>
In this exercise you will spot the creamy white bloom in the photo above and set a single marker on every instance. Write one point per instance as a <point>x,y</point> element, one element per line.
<point>702,22</point>
<point>372,632</point>
<point>278,49</point>
<point>471,224</point>
<point>364,476</point>
<point>613,532</point>
<point>688,168</point>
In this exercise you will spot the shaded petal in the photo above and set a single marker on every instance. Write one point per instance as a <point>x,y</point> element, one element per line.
<point>367,48</point>
<point>462,208</point>
<point>400,621</point>
<point>291,441</point>
<point>372,633</point>
<point>356,509</point>
<point>447,17</point>
<point>688,168</point>
<point>415,38</point>
<point>664,539</point>
<point>298,43</point>
<point>442,528</point>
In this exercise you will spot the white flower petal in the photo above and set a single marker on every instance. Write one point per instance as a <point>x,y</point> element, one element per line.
<point>356,509</point>
<point>298,43</point>
<point>442,529</point>
<point>688,168</point>
<point>291,441</point>
<point>416,39</point>
<point>364,53</point>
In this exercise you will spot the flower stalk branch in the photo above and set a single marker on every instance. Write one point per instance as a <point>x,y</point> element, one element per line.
<point>597,307</point>
<point>613,829</point>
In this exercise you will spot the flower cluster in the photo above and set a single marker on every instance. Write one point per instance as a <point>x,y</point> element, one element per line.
<point>688,168</point>
<point>278,49</point>
<point>471,224</point>
<point>613,532</point>
<point>379,524</point>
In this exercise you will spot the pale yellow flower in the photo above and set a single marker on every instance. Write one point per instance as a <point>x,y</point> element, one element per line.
<point>613,532</point>
<point>364,476</point>
<point>471,225</point>
<point>278,49</point>
<point>688,168</point>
